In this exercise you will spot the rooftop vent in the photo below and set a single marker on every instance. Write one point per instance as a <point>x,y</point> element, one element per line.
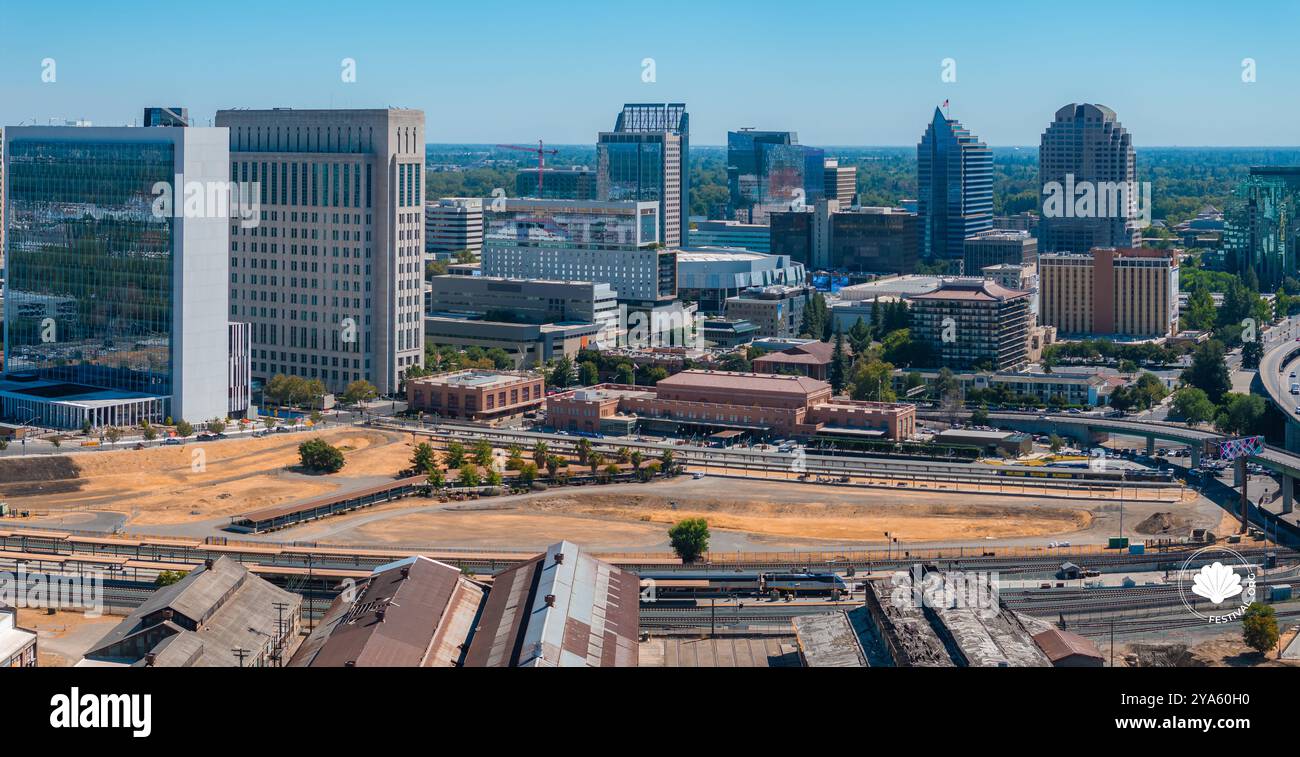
<point>406,572</point>
<point>550,600</point>
<point>149,659</point>
<point>208,563</point>
<point>379,615</point>
<point>559,558</point>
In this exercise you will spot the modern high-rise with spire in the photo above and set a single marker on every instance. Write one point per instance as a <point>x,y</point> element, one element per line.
<point>1087,155</point>
<point>954,188</point>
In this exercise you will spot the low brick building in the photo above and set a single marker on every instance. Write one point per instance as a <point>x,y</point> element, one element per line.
<point>710,401</point>
<point>477,395</point>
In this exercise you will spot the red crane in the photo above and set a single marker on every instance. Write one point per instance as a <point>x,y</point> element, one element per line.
<point>541,152</point>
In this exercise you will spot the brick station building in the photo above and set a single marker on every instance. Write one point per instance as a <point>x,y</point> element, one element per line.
<point>758,404</point>
<point>477,395</point>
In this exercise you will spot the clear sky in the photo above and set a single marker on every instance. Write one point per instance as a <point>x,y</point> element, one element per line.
<point>839,73</point>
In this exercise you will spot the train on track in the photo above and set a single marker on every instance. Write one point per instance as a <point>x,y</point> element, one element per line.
<point>744,583</point>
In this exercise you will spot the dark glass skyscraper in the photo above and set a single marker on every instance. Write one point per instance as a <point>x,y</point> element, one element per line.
<point>646,158</point>
<point>954,188</point>
<point>770,170</point>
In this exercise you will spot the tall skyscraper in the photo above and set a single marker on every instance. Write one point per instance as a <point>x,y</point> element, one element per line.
<point>954,188</point>
<point>770,170</point>
<point>115,302</point>
<point>647,158</point>
<point>332,279</point>
<point>1086,150</point>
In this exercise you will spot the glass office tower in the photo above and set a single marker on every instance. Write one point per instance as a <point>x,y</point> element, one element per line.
<point>954,188</point>
<point>1261,222</point>
<point>115,304</point>
<point>770,170</point>
<point>647,158</point>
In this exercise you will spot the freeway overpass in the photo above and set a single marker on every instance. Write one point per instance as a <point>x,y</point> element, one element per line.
<point>1275,370</point>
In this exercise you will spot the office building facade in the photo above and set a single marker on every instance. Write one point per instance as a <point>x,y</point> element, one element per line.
<point>776,310</point>
<point>331,281</point>
<point>115,303</point>
<point>1260,223</point>
<point>998,247</point>
<point>861,239</point>
<point>749,236</point>
<point>769,171</point>
<point>840,183</point>
<point>1086,146</point>
<point>954,188</point>
<point>647,158</point>
<point>613,243</point>
<point>973,323</point>
<point>452,225</point>
<point>1110,292</point>
<point>556,183</point>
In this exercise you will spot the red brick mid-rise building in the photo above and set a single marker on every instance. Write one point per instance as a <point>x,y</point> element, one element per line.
<point>709,401</point>
<point>477,395</point>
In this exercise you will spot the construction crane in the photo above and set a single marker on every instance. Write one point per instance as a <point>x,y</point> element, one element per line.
<point>541,152</point>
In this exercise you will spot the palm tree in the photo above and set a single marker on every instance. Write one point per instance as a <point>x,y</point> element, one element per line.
<point>636,457</point>
<point>595,460</point>
<point>667,459</point>
<point>540,451</point>
<point>584,450</point>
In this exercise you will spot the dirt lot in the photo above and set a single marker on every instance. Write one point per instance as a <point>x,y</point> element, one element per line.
<point>64,637</point>
<point>167,485</point>
<point>636,517</point>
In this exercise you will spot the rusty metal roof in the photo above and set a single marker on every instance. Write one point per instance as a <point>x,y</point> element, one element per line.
<point>415,612</point>
<point>564,608</point>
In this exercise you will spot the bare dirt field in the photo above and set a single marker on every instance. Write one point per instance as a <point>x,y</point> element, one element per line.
<point>167,485</point>
<point>637,517</point>
<point>64,637</point>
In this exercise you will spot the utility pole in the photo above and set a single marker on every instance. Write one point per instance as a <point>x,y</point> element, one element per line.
<point>280,607</point>
<point>241,653</point>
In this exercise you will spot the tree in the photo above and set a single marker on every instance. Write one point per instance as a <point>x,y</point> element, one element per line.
<point>623,455</point>
<point>184,429</point>
<point>668,461</point>
<point>595,460</point>
<point>1251,353</point>
<point>872,380</point>
<point>113,434</point>
<point>217,425</point>
<point>625,374</point>
<point>423,460</point>
<point>540,453</point>
<point>1208,371</point>
<point>839,362</point>
<point>319,456</point>
<point>454,457</point>
<point>468,475</point>
<point>168,577</point>
<point>515,458</point>
<point>583,448</point>
<point>636,458</point>
<point>1240,414</point>
<point>1200,314</point>
<point>149,432</point>
<point>437,479</point>
<point>1259,627</point>
<point>562,373</point>
<point>359,391</point>
<point>690,538</point>
<point>1193,406</point>
<point>552,465</point>
<point>528,473</point>
<point>588,374</point>
<point>980,416</point>
<point>492,478</point>
<point>483,453</point>
<point>1056,443</point>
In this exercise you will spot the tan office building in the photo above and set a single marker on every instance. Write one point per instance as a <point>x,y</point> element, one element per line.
<point>1129,292</point>
<point>331,278</point>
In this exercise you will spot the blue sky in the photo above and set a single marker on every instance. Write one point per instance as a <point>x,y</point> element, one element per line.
<point>839,73</point>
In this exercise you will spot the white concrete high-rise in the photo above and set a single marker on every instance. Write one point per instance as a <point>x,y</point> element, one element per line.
<point>331,281</point>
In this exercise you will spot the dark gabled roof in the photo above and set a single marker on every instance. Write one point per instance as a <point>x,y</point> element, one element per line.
<point>1058,645</point>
